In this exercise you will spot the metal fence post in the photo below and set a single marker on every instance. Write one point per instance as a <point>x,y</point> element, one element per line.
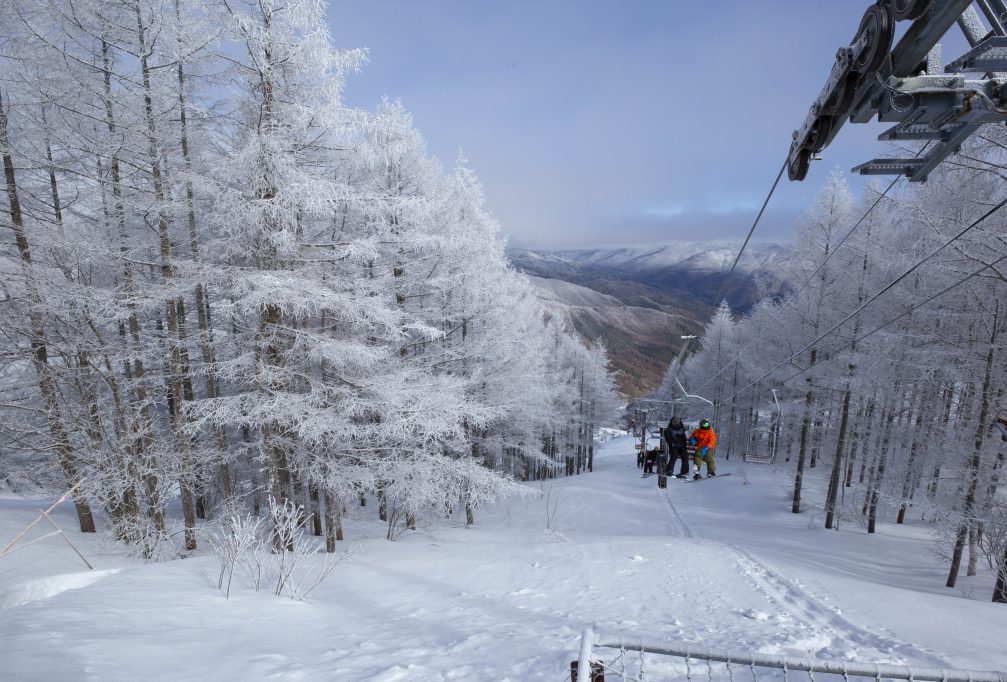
<point>582,669</point>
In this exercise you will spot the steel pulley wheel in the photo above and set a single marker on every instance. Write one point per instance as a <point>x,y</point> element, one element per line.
<point>877,30</point>
<point>842,97</point>
<point>797,167</point>
<point>909,9</point>
<point>819,136</point>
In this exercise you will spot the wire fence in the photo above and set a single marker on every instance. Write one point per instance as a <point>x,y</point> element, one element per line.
<point>627,663</point>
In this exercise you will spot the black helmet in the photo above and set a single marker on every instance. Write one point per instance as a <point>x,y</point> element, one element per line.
<point>703,424</point>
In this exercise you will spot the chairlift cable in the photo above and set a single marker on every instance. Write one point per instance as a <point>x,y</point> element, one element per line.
<point>884,290</point>
<point>737,259</point>
<point>723,283</point>
<point>817,270</point>
<point>914,307</point>
<point>855,226</point>
<point>737,357</point>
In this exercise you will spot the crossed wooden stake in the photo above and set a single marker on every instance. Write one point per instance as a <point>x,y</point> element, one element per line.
<point>13,545</point>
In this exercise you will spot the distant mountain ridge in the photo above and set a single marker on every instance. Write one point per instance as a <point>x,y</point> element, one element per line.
<point>711,255</point>
<point>684,275</point>
<point>677,281</point>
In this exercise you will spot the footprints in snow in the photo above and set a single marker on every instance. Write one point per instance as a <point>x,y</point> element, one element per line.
<point>832,635</point>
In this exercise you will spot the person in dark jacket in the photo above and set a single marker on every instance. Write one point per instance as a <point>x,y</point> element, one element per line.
<point>677,439</point>
<point>663,456</point>
<point>651,461</point>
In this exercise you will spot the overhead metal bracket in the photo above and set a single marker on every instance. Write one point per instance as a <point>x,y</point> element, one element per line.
<point>904,85</point>
<point>989,55</point>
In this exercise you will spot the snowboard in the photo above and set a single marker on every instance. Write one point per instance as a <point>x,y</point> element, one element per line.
<point>697,480</point>
<point>662,481</point>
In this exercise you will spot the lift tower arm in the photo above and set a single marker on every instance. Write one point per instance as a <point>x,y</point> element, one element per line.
<point>906,84</point>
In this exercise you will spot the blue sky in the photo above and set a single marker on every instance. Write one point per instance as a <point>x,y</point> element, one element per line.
<point>619,122</point>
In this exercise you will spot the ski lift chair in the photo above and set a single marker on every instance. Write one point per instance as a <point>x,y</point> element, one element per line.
<point>755,452</point>
<point>768,432</point>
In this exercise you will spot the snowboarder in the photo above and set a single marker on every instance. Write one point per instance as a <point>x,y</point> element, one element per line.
<point>704,440</point>
<point>676,438</point>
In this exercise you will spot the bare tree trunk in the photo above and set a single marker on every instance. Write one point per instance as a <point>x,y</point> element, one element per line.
<point>976,460</point>
<point>907,482</point>
<point>202,301</point>
<point>802,451</point>
<point>581,451</point>
<point>333,521</point>
<point>1000,589</point>
<point>39,349</point>
<point>817,425</point>
<point>877,448</point>
<point>170,303</point>
<point>975,537</point>
<point>932,487</point>
<point>879,476</point>
<point>134,371</point>
<point>837,464</point>
<point>870,484</point>
<point>128,504</point>
<point>863,422</point>
<point>919,435</point>
<point>198,479</point>
<point>851,370</point>
<point>316,512</point>
<point>734,409</point>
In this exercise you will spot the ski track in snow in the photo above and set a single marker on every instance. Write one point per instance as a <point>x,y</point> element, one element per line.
<point>844,636</point>
<point>504,602</point>
<point>682,528</point>
<point>831,633</point>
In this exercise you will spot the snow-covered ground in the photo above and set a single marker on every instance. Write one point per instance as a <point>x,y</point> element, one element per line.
<point>719,563</point>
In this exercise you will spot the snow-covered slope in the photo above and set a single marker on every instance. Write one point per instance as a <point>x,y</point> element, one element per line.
<point>681,276</point>
<point>718,564</point>
<point>574,302</point>
<point>560,292</point>
<point>641,341</point>
<point>681,280</point>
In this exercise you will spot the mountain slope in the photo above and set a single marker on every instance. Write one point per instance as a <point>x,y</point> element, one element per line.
<point>682,278</point>
<point>665,291</point>
<point>641,340</point>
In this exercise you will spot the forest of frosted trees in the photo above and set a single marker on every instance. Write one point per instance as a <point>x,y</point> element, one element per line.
<point>224,291</point>
<point>894,390</point>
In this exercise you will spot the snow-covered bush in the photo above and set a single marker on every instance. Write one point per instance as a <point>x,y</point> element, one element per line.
<point>272,553</point>
<point>239,537</point>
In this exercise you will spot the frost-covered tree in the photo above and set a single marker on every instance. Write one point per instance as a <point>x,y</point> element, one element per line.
<point>886,354</point>
<point>225,289</point>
